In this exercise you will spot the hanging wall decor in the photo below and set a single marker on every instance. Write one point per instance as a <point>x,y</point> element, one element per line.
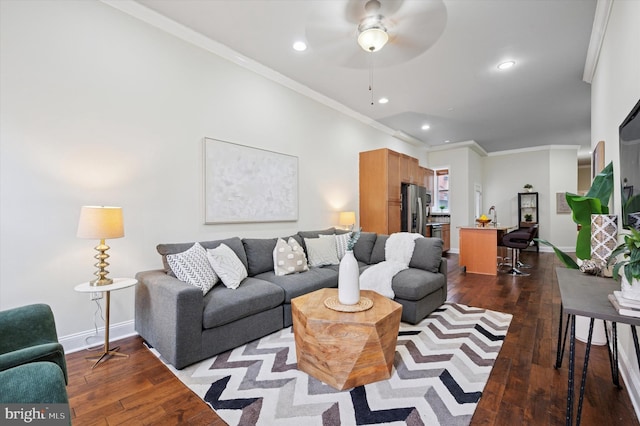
<point>245,184</point>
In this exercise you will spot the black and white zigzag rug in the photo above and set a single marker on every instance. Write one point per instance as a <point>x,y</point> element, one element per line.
<point>441,367</point>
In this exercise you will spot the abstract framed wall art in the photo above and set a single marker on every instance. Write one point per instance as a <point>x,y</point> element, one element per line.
<point>245,184</point>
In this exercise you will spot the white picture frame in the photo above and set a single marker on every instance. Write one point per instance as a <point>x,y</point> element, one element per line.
<point>245,184</point>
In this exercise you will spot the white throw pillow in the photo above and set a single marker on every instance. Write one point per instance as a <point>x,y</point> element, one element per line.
<point>288,257</point>
<point>321,251</point>
<point>193,267</point>
<point>227,265</point>
<point>341,242</point>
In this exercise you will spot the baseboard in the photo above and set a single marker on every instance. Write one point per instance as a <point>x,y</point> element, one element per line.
<point>89,339</point>
<point>630,376</point>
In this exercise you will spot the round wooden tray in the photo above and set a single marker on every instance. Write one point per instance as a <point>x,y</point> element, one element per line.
<point>363,304</point>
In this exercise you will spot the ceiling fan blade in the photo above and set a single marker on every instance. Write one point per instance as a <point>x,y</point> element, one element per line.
<point>413,27</point>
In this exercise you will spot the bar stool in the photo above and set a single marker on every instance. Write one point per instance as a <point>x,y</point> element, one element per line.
<point>516,241</point>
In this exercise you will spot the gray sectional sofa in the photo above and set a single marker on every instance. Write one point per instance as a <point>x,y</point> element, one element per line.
<point>185,327</point>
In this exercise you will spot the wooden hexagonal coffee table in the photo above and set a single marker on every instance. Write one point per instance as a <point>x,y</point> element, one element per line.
<point>345,349</point>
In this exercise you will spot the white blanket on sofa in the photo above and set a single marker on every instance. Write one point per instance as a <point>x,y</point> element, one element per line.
<point>398,251</point>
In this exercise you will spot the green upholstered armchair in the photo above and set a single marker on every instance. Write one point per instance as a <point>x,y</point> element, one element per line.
<point>28,335</point>
<point>32,383</point>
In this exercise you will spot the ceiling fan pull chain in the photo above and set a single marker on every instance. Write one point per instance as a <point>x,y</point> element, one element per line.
<point>371,76</point>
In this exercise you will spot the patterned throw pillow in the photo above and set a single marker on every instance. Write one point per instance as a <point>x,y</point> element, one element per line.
<point>321,251</point>
<point>227,265</point>
<point>193,267</point>
<point>288,257</point>
<point>341,242</point>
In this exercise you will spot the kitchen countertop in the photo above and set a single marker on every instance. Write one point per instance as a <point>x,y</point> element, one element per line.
<point>487,228</point>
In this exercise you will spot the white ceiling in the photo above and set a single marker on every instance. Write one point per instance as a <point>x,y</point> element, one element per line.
<point>438,68</point>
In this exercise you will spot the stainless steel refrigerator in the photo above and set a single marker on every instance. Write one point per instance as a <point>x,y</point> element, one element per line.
<point>413,213</point>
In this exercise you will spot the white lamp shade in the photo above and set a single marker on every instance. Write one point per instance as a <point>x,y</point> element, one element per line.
<point>100,222</point>
<point>347,218</point>
<point>373,39</point>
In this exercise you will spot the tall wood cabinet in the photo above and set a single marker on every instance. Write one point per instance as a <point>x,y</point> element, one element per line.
<point>381,173</point>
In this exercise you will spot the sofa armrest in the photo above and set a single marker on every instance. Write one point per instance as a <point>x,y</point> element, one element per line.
<point>443,269</point>
<point>168,315</point>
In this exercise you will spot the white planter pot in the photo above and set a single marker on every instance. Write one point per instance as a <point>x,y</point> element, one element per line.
<point>629,290</point>
<point>349,280</point>
<point>582,331</point>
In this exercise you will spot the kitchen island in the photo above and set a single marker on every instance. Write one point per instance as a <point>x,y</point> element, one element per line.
<point>479,248</point>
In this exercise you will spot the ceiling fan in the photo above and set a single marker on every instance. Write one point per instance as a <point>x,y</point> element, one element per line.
<point>335,30</point>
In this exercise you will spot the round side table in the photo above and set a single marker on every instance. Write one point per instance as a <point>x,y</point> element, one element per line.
<point>118,284</point>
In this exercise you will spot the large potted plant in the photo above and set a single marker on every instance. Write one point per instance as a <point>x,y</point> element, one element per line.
<point>596,201</point>
<point>630,265</point>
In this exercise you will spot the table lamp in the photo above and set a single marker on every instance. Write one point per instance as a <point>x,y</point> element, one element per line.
<point>347,219</point>
<point>100,223</point>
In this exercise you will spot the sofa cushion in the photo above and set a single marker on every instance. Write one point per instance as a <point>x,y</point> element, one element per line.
<point>227,266</point>
<point>321,251</point>
<point>223,305</point>
<point>378,252</point>
<point>341,241</point>
<point>233,243</point>
<point>288,257</point>
<point>313,234</point>
<point>193,267</point>
<point>259,254</point>
<point>363,248</point>
<point>427,254</point>
<point>414,284</point>
<point>302,283</point>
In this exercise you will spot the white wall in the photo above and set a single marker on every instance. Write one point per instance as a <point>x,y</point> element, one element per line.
<point>464,169</point>
<point>549,169</point>
<point>100,108</point>
<point>615,90</point>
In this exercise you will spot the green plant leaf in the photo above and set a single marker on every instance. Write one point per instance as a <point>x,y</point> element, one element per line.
<point>583,207</point>
<point>564,257</point>
<point>602,185</point>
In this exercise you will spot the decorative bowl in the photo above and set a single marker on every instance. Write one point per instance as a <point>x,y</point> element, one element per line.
<point>483,222</point>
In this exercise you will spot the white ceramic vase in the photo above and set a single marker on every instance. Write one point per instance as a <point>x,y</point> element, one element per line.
<point>349,280</point>
<point>629,290</point>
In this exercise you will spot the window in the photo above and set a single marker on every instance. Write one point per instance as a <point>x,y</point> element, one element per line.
<point>442,189</point>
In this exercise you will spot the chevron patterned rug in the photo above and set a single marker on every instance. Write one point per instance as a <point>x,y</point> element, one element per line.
<point>441,367</point>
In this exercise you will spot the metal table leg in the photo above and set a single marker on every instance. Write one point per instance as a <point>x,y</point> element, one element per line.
<point>572,353</point>
<point>584,371</point>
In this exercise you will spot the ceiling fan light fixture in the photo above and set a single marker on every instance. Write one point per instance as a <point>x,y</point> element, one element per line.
<point>372,34</point>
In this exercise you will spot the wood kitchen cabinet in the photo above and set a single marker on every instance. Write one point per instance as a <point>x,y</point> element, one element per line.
<point>380,191</point>
<point>446,236</point>
<point>409,169</point>
<point>381,173</point>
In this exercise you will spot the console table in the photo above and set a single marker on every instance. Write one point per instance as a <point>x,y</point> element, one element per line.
<point>587,296</point>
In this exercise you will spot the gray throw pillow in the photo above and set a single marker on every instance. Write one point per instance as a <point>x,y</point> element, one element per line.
<point>259,254</point>
<point>427,254</point>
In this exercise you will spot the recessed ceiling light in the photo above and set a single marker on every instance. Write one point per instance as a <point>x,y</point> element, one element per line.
<point>425,127</point>
<point>383,101</point>
<point>447,141</point>
<point>300,46</point>
<point>506,65</point>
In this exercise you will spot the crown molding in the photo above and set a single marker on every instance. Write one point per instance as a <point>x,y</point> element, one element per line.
<point>600,20</point>
<point>153,18</point>
<point>471,144</point>
<point>535,148</point>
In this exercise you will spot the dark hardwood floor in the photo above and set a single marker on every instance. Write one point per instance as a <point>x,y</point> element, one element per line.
<point>524,388</point>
